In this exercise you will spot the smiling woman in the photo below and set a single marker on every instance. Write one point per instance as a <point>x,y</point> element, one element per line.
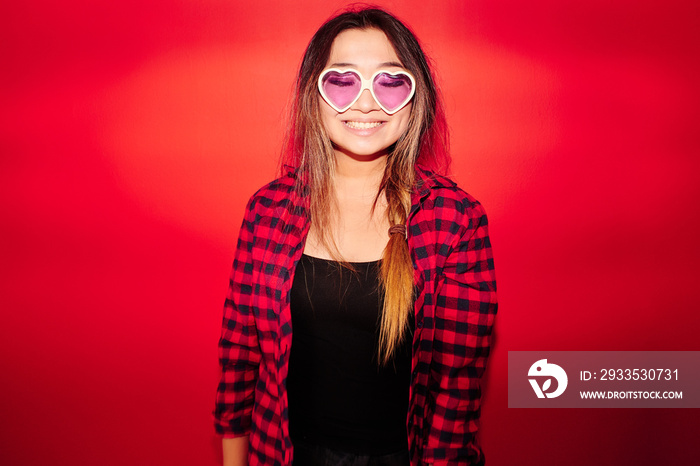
<point>380,264</point>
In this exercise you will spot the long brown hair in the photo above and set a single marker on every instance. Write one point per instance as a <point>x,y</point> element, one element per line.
<point>309,149</point>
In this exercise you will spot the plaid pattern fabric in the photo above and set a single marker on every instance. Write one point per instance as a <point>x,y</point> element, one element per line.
<point>454,314</point>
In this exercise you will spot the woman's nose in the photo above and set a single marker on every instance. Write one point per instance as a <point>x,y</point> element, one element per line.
<point>366,102</point>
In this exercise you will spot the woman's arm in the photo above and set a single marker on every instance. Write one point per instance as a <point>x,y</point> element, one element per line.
<point>235,451</point>
<point>464,315</point>
<point>239,352</point>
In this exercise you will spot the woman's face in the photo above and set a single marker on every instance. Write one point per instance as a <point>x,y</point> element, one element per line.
<point>364,131</point>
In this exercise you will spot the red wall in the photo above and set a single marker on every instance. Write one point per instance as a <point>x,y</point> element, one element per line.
<point>132,133</point>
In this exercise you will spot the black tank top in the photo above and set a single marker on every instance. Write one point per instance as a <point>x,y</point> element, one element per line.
<point>339,396</point>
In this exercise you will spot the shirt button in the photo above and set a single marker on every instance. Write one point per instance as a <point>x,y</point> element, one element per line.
<point>419,324</point>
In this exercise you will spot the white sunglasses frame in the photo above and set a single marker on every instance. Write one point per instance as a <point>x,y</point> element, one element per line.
<point>366,84</point>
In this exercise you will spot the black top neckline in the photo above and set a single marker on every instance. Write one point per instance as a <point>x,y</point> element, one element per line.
<point>332,261</point>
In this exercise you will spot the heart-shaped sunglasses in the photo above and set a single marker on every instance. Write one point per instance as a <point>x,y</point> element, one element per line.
<point>392,90</point>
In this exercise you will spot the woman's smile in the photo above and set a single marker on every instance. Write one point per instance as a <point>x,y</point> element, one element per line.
<point>363,124</point>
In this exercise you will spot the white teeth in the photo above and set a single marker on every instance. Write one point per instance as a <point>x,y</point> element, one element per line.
<point>362,124</point>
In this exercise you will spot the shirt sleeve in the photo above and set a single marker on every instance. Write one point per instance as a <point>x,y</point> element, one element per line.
<point>464,315</point>
<point>239,353</point>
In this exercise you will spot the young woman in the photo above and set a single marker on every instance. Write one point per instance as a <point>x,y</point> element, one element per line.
<point>362,297</point>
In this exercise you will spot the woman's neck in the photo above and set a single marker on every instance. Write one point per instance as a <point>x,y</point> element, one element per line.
<point>358,177</point>
<point>359,223</point>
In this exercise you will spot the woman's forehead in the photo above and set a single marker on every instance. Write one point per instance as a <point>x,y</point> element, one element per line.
<point>363,48</point>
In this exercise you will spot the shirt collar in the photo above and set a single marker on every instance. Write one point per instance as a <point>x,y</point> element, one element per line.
<point>425,181</point>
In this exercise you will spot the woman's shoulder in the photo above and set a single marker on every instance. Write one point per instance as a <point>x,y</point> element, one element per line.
<point>446,207</point>
<point>273,194</point>
<point>444,192</point>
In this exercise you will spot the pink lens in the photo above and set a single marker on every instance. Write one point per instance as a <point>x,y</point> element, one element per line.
<point>392,91</point>
<point>341,88</point>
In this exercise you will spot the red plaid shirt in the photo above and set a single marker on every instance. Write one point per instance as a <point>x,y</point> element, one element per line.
<point>454,314</point>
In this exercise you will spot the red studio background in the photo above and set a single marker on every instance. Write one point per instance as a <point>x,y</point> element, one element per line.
<point>132,134</point>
